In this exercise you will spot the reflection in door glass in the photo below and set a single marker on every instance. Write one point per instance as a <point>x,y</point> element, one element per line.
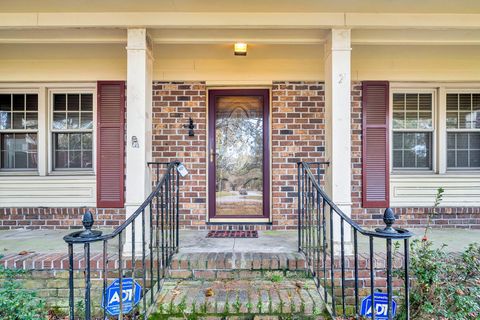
<point>239,156</point>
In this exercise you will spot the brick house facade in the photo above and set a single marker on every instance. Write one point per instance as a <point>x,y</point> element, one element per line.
<point>298,133</point>
<point>313,66</point>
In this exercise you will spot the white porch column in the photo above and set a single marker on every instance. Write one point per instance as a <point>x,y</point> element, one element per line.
<point>139,124</point>
<point>338,125</point>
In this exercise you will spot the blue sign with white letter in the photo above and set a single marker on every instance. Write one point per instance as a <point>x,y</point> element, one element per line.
<point>131,293</point>
<point>381,306</point>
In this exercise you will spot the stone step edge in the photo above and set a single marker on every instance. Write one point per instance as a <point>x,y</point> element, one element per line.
<point>239,261</point>
<point>222,274</point>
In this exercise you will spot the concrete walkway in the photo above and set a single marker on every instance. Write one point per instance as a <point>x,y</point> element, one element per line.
<point>268,241</point>
<point>48,241</point>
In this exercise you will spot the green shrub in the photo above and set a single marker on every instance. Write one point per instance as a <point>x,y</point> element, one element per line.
<point>16,302</point>
<point>444,286</point>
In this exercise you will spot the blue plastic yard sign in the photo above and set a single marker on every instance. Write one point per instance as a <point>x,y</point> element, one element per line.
<point>112,306</point>
<point>381,306</point>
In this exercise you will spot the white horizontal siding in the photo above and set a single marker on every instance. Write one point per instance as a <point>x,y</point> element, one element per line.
<point>49,191</point>
<point>461,190</point>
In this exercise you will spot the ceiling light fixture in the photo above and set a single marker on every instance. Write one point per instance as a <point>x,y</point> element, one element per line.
<point>240,49</point>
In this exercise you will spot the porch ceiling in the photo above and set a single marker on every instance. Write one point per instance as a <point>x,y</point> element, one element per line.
<point>407,36</point>
<point>406,6</point>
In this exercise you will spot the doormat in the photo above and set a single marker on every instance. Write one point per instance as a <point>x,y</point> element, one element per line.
<point>233,234</point>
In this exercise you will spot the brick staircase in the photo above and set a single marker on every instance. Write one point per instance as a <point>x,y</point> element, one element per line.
<point>238,285</point>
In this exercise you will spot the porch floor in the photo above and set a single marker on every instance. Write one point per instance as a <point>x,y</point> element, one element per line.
<point>50,241</point>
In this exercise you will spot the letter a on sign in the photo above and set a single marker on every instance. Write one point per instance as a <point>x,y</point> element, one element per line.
<point>381,306</point>
<point>131,294</point>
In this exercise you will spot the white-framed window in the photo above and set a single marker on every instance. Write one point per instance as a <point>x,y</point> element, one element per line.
<point>18,131</point>
<point>435,129</point>
<point>463,130</point>
<point>413,129</point>
<point>71,128</point>
<point>47,129</point>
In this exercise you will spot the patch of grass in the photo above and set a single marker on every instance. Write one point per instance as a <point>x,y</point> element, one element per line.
<point>237,305</point>
<point>249,306</point>
<point>276,278</point>
<point>182,306</point>
<point>259,305</point>
<point>203,308</point>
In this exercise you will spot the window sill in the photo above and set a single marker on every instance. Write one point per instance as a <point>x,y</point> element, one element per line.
<point>429,174</point>
<point>413,173</point>
<point>19,173</point>
<point>72,173</point>
<point>35,174</point>
<point>39,179</point>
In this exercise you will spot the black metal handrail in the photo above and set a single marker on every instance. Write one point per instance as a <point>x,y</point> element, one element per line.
<point>162,209</point>
<point>316,212</point>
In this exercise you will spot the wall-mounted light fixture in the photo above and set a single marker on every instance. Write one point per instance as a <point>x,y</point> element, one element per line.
<point>190,126</point>
<point>240,49</point>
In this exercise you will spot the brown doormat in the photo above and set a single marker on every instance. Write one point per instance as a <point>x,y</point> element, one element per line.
<point>232,234</point>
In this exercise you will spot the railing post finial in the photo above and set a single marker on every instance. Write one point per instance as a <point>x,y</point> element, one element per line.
<point>87,222</point>
<point>389,220</point>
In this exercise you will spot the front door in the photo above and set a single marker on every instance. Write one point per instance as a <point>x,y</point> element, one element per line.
<point>239,165</point>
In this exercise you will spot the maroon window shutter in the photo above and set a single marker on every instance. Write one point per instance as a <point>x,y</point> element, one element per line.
<point>375,163</point>
<point>110,143</point>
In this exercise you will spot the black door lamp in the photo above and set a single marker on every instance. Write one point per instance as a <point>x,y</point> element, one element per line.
<point>190,127</point>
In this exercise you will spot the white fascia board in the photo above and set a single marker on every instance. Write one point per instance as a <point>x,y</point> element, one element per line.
<point>188,19</point>
<point>412,20</point>
<point>413,36</point>
<point>239,20</point>
<point>171,19</point>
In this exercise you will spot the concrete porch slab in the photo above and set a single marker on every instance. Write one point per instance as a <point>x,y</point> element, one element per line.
<point>49,241</point>
<point>267,241</point>
<point>40,241</point>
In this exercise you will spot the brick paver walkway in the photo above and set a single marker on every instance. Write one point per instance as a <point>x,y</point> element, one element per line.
<point>276,297</point>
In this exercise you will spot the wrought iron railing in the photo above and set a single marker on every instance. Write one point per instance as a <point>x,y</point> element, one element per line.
<point>143,254</point>
<point>330,241</point>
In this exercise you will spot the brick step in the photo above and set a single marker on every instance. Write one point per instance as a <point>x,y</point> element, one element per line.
<point>239,261</point>
<point>295,297</point>
<point>241,265</point>
<point>231,274</point>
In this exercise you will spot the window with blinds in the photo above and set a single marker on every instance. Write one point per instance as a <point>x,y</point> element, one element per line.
<point>18,131</point>
<point>413,128</point>
<point>72,131</point>
<point>463,131</point>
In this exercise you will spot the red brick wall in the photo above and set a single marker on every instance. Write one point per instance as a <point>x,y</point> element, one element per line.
<point>297,133</point>
<point>455,217</point>
<point>57,218</point>
<point>173,104</point>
